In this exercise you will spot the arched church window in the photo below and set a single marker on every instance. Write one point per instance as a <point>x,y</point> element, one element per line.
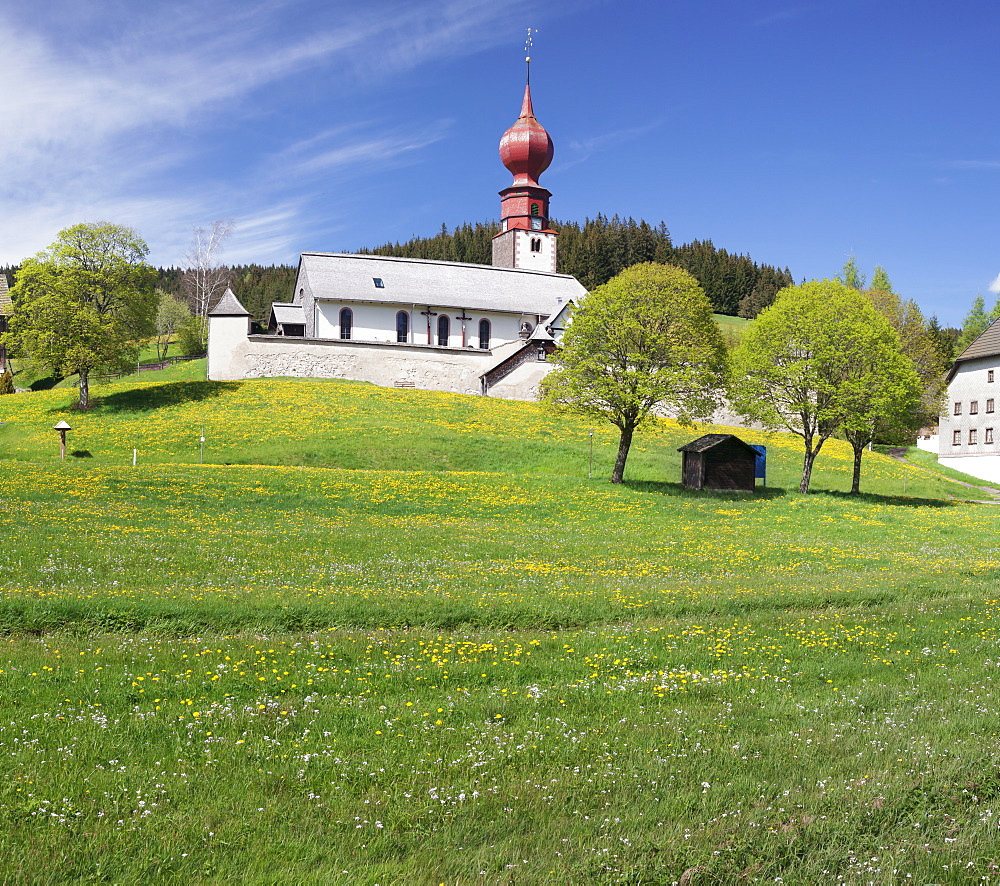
<point>534,209</point>
<point>536,244</point>
<point>346,322</point>
<point>484,334</point>
<point>402,326</point>
<point>444,328</point>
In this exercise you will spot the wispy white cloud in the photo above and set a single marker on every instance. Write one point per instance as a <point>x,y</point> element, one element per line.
<point>351,148</point>
<point>973,164</point>
<point>788,13</point>
<point>109,108</point>
<point>582,150</point>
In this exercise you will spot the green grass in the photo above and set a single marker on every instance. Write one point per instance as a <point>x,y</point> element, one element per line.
<point>402,638</point>
<point>929,461</point>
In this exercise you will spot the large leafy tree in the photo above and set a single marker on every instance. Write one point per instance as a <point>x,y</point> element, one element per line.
<point>885,393</point>
<point>809,362</point>
<point>85,303</point>
<point>918,343</point>
<point>644,340</point>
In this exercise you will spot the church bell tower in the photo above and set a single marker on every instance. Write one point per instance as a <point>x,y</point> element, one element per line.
<point>525,239</point>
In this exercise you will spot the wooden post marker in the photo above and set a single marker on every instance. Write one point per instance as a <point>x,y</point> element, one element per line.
<point>62,428</point>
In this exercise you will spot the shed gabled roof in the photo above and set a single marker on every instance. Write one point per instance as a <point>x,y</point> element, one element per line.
<point>285,313</point>
<point>229,306</point>
<point>349,277</point>
<point>710,441</point>
<point>986,344</point>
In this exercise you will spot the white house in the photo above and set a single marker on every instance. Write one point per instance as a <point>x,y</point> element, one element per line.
<point>483,329</point>
<point>969,436</point>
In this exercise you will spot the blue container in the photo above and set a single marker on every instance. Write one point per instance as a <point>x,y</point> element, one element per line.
<point>760,464</point>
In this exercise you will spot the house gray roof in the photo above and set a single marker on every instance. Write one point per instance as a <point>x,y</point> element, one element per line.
<point>284,312</point>
<point>378,278</point>
<point>986,344</point>
<point>229,306</point>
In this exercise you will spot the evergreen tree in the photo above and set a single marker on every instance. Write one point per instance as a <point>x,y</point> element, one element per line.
<point>880,280</point>
<point>944,339</point>
<point>974,324</point>
<point>851,276</point>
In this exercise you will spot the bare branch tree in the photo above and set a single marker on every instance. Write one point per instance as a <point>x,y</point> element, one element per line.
<point>205,278</point>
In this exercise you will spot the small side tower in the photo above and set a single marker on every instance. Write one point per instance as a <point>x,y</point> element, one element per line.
<point>525,239</point>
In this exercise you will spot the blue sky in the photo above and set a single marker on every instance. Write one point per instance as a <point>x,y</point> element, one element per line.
<point>798,132</point>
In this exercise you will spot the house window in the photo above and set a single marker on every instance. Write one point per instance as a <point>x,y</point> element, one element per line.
<point>989,375</point>
<point>956,438</point>
<point>402,326</point>
<point>972,436</point>
<point>974,407</point>
<point>444,327</point>
<point>534,209</point>
<point>484,334</point>
<point>536,244</point>
<point>378,283</point>
<point>346,322</point>
<point>989,405</point>
<point>989,436</point>
<point>958,409</point>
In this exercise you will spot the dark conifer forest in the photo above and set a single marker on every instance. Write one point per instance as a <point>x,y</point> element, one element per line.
<point>600,248</point>
<point>593,252</point>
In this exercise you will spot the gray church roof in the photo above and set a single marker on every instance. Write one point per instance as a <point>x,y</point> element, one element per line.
<point>377,278</point>
<point>986,344</point>
<point>229,306</point>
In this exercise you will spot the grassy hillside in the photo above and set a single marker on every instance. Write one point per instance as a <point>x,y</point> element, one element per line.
<point>400,637</point>
<point>329,423</point>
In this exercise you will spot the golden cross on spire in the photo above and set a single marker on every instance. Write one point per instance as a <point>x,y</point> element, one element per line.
<point>527,51</point>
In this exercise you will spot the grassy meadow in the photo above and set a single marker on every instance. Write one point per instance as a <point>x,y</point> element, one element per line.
<point>395,637</point>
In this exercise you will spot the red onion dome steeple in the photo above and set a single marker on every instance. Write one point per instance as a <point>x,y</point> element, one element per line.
<point>526,149</point>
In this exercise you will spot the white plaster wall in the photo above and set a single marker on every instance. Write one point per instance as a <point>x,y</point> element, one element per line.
<point>543,260</point>
<point>390,365</point>
<point>522,383</point>
<point>226,337</point>
<point>929,444</point>
<point>986,467</point>
<point>970,385</point>
<point>377,323</point>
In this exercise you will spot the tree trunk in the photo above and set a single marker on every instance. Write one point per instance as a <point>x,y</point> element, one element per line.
<point>84,390</point>
<point>623,446</point>
<point>856,480</point>
<point>807,466</point>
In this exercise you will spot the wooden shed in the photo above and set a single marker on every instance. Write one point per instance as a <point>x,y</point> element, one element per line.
<point>718,461</point>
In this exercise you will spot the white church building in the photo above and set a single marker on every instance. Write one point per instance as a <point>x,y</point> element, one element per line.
<point>449,326</point>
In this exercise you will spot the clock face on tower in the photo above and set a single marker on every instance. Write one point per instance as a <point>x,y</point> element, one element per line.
<point>536,224</point>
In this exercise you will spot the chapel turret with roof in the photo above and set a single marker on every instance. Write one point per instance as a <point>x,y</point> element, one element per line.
<point>525,239</point>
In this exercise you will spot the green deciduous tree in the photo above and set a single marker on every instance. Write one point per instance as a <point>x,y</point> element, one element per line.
<point>885,394</point>
<point>916,342</point>
<point>797,367</point>
<point>85,303</point>
<point>205,279</point>
<point>170,316</point>
<point>645,339</point>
